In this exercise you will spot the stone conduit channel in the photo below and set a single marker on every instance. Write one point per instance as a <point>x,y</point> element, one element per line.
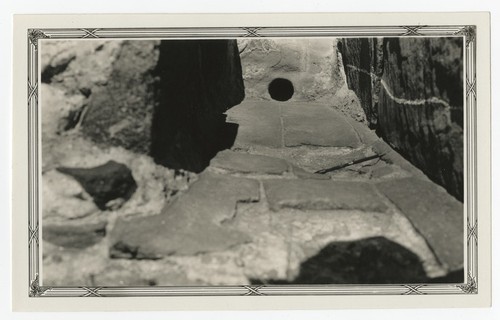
<point>259,213</point>
<point>305,195</point>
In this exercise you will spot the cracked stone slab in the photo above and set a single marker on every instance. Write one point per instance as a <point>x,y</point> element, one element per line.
<point>348,159</point>
<point>390,156</point>
<point>316,125</point>
<point>303,174</point>
<point>435,214</point>
<point>259,124</point>
<point>249,163</point>
<point>189,225</point>
<point>322,195</point>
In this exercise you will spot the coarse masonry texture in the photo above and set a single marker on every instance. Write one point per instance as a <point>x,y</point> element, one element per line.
<point>259,211</point>
<point>256,203</point>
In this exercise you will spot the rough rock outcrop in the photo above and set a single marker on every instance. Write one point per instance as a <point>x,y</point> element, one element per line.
<point>120,108</point>
<point>411,90</point>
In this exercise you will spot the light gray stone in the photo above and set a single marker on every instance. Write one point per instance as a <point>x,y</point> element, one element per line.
<point>190,225</point>
<point>249,163</point>
<point>435,214</point>
<point>322,195</point>
<point>259,124</point>
<point>316,125</point>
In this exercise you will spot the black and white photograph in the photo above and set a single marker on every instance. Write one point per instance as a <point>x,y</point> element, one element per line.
<point>252,161</point>
<point>233,162</point>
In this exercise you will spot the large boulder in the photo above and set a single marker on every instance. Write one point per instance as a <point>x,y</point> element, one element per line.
<point>411,90</point>
<point>109,184</point>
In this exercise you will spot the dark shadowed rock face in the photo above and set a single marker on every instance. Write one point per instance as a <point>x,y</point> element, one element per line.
<point>368,261</point>
<point>104,183</point>
<point>163,98</point>
<point>411,91</point>
<point>199,81</point>
<point>362,54</point>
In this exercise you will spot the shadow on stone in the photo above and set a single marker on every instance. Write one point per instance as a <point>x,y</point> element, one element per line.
<point>368,261</point>
<point>199,81</point>
<point>452,277</point>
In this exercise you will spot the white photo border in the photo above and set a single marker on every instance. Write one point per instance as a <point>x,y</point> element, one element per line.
<point>467,32</point>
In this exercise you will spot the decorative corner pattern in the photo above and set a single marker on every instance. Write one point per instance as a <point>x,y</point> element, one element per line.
<point>470,287</point>
<point>34,35</point>
<point>469,32</point>
<point>35,289</point>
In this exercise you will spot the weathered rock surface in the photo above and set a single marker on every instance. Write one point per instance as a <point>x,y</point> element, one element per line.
<point>248,163</point>
<point>439,218</point>
<point>60,111</point>
<point>120,107</point>
<point>303,174</point>
<point>322,195</point>
<point>361,59</point>
<point>258,213</point>
<point>310,64</point>
<point>319,126</point>
<point>105,183</point>
<point>75,235</point>
<point>190,225</point>
<point>411,91</point>
<point>258,124</point>
<point>148,96</point>
<point>64,198</point>
<point>78,66</point>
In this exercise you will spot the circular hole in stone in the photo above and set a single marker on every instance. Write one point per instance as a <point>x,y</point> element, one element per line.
<point>281,89</point>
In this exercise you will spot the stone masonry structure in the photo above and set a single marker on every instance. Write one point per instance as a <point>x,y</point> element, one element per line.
<point>157,170</point>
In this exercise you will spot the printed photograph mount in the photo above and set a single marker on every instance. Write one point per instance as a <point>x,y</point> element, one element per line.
<point>35,39</point>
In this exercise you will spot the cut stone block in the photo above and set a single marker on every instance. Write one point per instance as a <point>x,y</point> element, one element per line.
<point>322,195</point>
<point>259,124</point>
<point>316,125</point>
<point>191,224</point>
<point>248,163</point>
<point>438,216</point>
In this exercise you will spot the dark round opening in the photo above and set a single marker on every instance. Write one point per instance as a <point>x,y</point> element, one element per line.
<point>281,89</point>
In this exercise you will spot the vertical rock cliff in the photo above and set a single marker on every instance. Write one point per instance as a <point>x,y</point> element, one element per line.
<point>411,90</point>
